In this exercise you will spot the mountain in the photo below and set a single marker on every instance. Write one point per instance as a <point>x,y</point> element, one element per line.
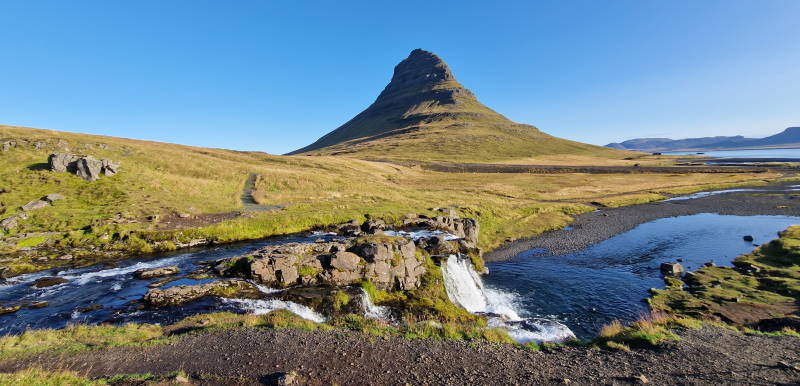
<point>425,113</point>
<point>787,138</point>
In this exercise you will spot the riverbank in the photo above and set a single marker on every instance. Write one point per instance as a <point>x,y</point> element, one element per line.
<point>604,223</point>
<point>710,355</point>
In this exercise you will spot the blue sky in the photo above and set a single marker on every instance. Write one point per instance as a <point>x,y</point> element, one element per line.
<point>276,75</point>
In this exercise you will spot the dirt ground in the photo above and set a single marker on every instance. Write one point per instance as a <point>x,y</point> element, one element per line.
<point>709,356</point>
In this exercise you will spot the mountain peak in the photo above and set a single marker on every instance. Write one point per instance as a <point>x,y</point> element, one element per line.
<point>425,111</point>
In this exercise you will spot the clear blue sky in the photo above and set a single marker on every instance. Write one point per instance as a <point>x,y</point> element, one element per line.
<point>276,75</point>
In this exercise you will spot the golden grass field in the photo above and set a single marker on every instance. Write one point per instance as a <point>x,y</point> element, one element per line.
<point>166,179</point>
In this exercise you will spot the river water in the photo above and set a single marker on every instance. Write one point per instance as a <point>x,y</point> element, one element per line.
<point>535,295</point>
<point>611,279</point>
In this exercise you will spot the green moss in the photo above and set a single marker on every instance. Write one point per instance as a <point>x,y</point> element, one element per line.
<point>340,299</point>
<point>31,241</point>
<point>767,277</point>
<point>307,271</point>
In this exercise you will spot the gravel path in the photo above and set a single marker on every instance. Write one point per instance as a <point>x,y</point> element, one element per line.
<point>256,356</point>
<point>593,227</point>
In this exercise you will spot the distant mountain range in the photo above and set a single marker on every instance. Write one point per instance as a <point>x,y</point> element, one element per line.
<point>789,138</point>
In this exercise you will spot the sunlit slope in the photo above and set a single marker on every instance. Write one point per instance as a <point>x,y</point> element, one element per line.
<point>138,209</point>
<point>424,113</point>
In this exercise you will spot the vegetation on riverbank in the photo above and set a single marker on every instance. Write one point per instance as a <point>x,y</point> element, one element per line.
<point>764,284</point>
<point>167,196</point>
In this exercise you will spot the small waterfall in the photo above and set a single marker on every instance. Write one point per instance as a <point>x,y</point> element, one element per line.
<point>374,311</point>
<point>465,288</point>
<point>263,307</point>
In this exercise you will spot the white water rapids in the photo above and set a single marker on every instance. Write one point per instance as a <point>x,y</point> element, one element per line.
<point>465,288</point>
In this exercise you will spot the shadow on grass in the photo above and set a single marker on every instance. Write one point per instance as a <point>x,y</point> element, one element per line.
<point>39,166</point>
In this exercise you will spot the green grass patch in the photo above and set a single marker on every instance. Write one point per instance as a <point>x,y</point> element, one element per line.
<point>76,338</point>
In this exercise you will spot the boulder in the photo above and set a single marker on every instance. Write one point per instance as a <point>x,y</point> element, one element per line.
<point>9,223</point>
<point>52,197</point>
<point>345,261</point>
<point>61,162</point>
<point>35,205</point>
<point>39,304</point>
<point>181,294</point>
<point>66,257</point>
<point>9,309</point>
<point>747,238</point>
<point>49,281</point>
<point>89,168</point>
<point>144,274</point>
<point>86,167</point>
<point>672,269</point>
<point>7,145</point>
<point>109,167</point>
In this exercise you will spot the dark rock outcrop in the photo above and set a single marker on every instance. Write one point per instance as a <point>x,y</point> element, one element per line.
<point>672,269</point>
<point>49,281</point>
<point>86,167</point>
<point>144,274</point>
<point>181,294</point>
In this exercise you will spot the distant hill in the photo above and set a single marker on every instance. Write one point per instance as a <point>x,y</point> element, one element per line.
<point>424,113</point>
<point>788,138</point>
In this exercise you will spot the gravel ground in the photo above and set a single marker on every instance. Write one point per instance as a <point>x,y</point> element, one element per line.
<point>593,227</point>
<point>257,356</point>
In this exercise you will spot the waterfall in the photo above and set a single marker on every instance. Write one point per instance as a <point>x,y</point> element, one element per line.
<point>465,288</point>
<point>463,285</point>
<point>374,311</point>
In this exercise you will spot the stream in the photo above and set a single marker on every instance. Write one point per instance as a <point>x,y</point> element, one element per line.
<point>536,296</point>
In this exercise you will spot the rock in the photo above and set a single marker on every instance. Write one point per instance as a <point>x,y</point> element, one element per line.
<point>672,269</point>
<point>35,205</point>
<point>345,261</point>
<point>181,294</point>
<point>372,227</point>
<point>49,281</point>
<point>144,274</point>
<point>710,264</point>
<point>93,307</point>
<point>89,168</point>
<point>109,167</point>
<point>65,257</point>
<point>86,167</point>
<point>641,379</point>
<point>9,309</point>
<point>181,379</point>
<point>184,215</point>
<point>9,223</point>
<point>7,145</point>
<point>747,238</point>
<point>52,197</point>
<point>287,379</point>
<point>38,304</point>
<point>61,162</point>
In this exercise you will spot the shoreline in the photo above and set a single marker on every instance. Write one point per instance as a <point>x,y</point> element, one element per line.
<point>594,227</point>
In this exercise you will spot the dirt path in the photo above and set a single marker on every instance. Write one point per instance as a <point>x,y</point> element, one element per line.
<point>256,356</point>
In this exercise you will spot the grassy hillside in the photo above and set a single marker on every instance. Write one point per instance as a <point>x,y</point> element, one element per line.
<point>425,114</point>
<point>110,216</point>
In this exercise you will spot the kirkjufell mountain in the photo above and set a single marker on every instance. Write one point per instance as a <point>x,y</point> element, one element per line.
<point>424,113</point>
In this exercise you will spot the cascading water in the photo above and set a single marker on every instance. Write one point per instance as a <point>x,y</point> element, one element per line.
<point>465,288</point>
<point>371,310</point>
